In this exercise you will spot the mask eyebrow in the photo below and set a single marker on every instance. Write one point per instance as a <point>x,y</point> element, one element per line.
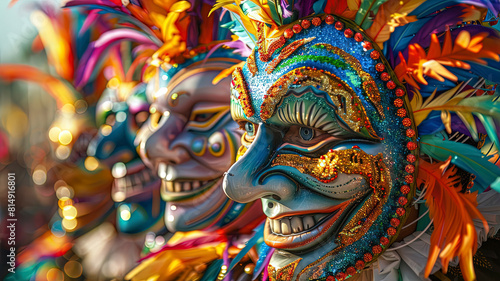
<point>239,91</point>
<point>348,105</point>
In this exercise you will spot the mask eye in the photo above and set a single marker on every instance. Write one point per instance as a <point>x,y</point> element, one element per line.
<point>306,133</point>
<point>250,129</point>
<point>203,117</point>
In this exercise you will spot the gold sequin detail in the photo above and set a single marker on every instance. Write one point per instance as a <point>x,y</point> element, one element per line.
<point>286,52</point>
<point>368,84</point>
<point>349,107</point>
<point>240,85</point>
<point>283,274</point>
<point>348,161</point>
<point>252,66</point>
<point>267,46</point>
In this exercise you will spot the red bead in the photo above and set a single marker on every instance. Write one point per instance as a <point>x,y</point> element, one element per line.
<point>350,270</point>
<point>391,231</point>
<point>316,21</point>
<point>400,92</point>
<point>402,200</point>
<point>330,278</point>
<point>409,178</point>
<point>410,133</point>
<point>360,265</point>
<point>407,122</point>
<point>377,249</point>
<point>297,28</point>
<point>401,112</point>
<point>375,55</point>
<point>330,19</point>
<point>398,102</point>
<point>348,33</point>
<point>395,222</point>
<point>288,33</point>
<point>384,241</point>
<point>405,189</point>
<point>339,25</point>
<point>367,257</point>
<point>305,24</point>
<point>400,212</point>
<point>358,37</point>
<point>410,169</point>
<point>391,85</point>
<point>367,45</point>
<point>380,67</point>
<point>385,76</point>
<point>411,145</point>
<point>411,158</point>
<point>340,276</point>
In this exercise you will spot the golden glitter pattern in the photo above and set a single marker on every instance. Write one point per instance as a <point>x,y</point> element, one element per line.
<point>283,274</point>
<point>286,52</point>
<point>348,161</point>
<point>349,107</point>
<point>267,47</point>
<point>252,66</point>
<point>368,84</point>
<point>240,86</point>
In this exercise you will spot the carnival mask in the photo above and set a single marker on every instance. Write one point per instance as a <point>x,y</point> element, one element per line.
<point>328,147</point>
<point>121,111</point>
<point>191,141</point>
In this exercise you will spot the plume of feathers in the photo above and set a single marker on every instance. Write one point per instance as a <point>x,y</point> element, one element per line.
<point>452,213</point>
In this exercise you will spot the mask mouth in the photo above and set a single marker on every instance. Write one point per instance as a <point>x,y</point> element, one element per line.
<point>176,190</point>
<point>300,230</point>
<point>137,182</point>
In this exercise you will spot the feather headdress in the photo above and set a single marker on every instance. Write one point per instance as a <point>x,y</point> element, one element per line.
<point>166,33</point>
<point>448,55</point>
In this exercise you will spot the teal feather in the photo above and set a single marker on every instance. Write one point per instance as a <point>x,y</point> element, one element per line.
<point>259,234</point>
<point>239,30</point>
<point>487,110</point>
<point>367,7</point>
<point>276,11</point>
<point>213,271</point>
<point>464,156</point>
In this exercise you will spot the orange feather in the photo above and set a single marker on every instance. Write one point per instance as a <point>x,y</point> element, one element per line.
<point>452,212</point>
<point>431,64</point>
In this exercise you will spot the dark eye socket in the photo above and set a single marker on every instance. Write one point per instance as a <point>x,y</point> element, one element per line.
<point>141,117</point>
<point>110,119</point>
<point>306,133</point>
<point>203,117</point>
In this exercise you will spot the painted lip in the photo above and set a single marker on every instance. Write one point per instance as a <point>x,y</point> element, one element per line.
<point>334,219</point>
<point>178,190</point>
<point>139,181</point>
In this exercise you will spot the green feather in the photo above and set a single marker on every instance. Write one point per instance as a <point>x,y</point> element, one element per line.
<point>365,8</point>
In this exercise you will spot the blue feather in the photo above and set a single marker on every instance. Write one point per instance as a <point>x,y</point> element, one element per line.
<point>432,124</point>
<point>464,156</point>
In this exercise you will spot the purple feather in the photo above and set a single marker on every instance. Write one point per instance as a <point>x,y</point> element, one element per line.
<point>304,7</point>
<point>284,8</point>
<point>102,3</point>
<point>94,53</point>
<point>492,5</point>
<point>438,24</point>
<point>89,21</point>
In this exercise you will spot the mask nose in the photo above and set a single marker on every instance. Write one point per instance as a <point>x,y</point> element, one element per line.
<point>157,147</point>
<point>247,181</point>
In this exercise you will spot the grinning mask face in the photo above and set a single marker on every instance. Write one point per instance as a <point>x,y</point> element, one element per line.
<point>191,141</point>
<point>328,147</point>
<point>121,110</point>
